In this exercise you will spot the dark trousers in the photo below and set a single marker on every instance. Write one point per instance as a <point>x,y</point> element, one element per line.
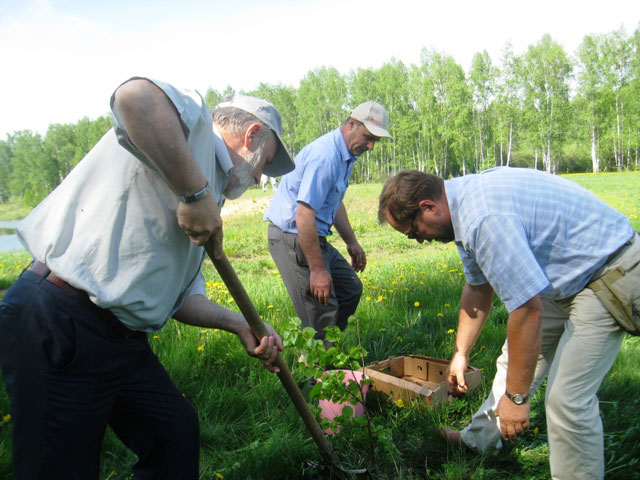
<point>294,269</point>
<point>69,374</point>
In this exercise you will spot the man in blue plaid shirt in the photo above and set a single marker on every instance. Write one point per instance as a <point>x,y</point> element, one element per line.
<point>537,240</point>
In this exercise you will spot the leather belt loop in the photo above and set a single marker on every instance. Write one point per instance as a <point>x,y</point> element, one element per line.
<point>41,269</point>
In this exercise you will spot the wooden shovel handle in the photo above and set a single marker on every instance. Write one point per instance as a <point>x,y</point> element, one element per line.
<point>231,280</point>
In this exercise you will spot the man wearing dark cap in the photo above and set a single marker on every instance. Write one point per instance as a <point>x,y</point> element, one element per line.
<point>324,288</point>
<point>117,250</point>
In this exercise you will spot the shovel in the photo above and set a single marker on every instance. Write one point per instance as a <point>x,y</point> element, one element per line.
<point>239,294</point>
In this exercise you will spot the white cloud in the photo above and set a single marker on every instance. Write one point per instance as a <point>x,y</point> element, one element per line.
<point>64,58</point>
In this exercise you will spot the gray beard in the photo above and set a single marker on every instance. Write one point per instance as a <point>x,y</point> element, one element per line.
<point>241,175</point>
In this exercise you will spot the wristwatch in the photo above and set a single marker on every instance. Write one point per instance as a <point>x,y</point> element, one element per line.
<point>194,197</point>
<point>517,398</point>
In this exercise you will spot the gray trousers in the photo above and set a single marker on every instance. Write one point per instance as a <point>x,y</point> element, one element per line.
<point>294,269</point>
<point>580,342</point>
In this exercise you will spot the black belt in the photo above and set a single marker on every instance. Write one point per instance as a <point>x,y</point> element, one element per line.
<point>106,315</point>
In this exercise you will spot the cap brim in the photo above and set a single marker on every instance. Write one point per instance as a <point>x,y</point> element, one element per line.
<point>376,130</point>
<point>281,163</point>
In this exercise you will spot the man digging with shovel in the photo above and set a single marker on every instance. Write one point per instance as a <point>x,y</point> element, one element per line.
<point>117,250</point>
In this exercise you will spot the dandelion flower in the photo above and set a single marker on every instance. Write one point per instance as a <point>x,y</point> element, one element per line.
<point>447,305</point>
<point>440,314</point>
<point>400,403</point>
<point>269,306</point>
<point>368,299</point>
<point>6,418</point>
<point>230,300</point>
<point>416,304</point>
<point>201,348</point>
<point>451,330</point>
<point>156,336</point>
<point>383,330</point>
<point>219,475</point>
<point>380,298</point>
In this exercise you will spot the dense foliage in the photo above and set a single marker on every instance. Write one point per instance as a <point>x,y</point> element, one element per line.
<point>542,108</point>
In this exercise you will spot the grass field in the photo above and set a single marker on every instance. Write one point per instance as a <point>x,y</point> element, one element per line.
<point>249,429</point>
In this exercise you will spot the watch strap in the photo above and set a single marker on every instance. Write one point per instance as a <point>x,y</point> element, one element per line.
<point>194,197</point>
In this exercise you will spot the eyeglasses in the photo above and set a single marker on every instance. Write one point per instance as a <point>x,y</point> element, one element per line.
<point>412,234</point>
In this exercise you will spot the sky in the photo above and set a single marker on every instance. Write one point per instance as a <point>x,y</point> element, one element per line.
<point>62,59</point>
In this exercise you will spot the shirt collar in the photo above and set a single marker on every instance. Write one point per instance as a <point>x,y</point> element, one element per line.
<point>451,191</point>
<point>222,154</point>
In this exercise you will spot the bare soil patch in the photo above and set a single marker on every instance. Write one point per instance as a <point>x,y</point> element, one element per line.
<point>245,206</point>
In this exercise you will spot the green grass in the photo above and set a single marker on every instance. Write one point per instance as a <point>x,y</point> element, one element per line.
<point>249,429</point>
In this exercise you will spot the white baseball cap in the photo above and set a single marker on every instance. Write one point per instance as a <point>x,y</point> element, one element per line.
<point>270,116</point>
<point>374,117</point>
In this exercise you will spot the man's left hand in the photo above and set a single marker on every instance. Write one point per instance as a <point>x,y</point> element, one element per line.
<point>266,350</point>
<point>358,257</point>
<point>514,419</point>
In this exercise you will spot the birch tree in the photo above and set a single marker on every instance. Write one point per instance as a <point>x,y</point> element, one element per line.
<point>545,72</point>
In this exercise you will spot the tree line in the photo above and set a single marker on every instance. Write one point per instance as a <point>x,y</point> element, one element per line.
<point>542,108</point>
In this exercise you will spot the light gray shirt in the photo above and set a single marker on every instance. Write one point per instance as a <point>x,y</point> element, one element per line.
<point>110,227</point>
<point>527,232</point>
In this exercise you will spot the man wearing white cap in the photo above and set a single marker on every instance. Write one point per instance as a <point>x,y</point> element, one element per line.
<point>323,287</point>
<point>117,251</point>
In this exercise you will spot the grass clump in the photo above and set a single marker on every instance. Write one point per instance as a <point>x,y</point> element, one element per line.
<point>250,430</point>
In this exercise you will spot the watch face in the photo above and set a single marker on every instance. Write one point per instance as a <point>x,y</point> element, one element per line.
<point>516,398</point>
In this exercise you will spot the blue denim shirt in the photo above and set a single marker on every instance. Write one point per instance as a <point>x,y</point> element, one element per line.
<point>320,180</point>
<point>527,232</point>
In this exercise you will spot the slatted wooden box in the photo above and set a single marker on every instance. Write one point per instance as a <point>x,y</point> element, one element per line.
<point>415,376</point>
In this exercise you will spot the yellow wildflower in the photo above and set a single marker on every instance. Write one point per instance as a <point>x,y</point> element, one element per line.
<point>230,300</point>
<point>536,431</point>
<point>440,314</point>
<point>383,330</point>
<point>416,304</point>
<point>6,418</point>
<point>368,299</point>
<point>269,306</point>
<point>451,330</point>
<point>380,298</point>
<point>400,403</point>
<point>156,336</point>
<point>201,348</point>
<point>219,475</point>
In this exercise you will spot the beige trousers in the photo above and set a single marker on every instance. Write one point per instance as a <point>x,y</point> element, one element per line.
<point>580,342</point>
